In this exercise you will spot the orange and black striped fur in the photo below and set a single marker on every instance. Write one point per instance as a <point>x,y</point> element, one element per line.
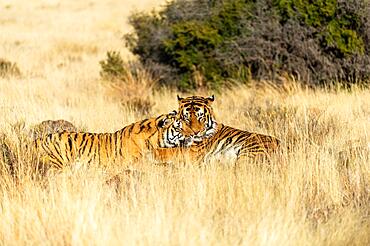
<point>216,141</point>
<point>227,143</point>
<point>197,112</point>
<point>131,142</point>
<point>232,143</point>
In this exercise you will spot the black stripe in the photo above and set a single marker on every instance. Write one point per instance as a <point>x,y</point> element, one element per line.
<point>75,136</point>
<point>115,143</point>
<point>57,146</point>
<point>129,128</point>
<point>85,143</point>
<point>121,145</point>
<point>70,143</point>
<point>143,122</point>
<point>82,144</point>
<point>59,156</point>
<point>106,146</point>
<point>241,138</point>
<point>90,149</point>
<point>69,148</point>
<point>98,152</point>
<point>109,146</point>
<point>91,145</point>
<point>143,126</point>
<point>56,163</point>
<point>222,132</point>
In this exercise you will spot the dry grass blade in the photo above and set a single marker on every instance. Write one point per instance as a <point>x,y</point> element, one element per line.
<point>314,193</point>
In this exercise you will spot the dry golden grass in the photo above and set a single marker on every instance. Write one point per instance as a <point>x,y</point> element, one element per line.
<point>317,193</point>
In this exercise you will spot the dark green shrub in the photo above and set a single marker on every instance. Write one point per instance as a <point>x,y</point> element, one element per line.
<point>191,48</point>
<point>312,13</point>
<point>222,40</point>
<point>336,27</point>
<point>113,66</point>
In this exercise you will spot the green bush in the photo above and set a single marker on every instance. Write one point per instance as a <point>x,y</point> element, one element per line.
<point>222,40</point>
<point>191,48</point>
<point>335,31</point>
<point>113,66</point>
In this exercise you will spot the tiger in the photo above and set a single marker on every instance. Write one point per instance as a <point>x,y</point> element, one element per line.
<point>227,143</point>
<point>131,142</point>
<point>213,140</point>
<point>197,113</point>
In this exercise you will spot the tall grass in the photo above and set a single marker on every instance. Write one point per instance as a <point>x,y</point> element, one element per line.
<point>315,191</point>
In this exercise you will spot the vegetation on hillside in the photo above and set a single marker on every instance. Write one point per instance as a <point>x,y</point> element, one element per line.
<point>202,43</point>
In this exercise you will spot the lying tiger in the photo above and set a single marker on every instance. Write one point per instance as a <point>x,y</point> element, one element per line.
<point>194,132</point>
<point>215,141</point>
<point>130,143</point>
<point>227,144</point>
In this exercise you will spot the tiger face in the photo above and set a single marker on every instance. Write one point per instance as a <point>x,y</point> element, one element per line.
<point>197,113</point>
<point>174,131</point>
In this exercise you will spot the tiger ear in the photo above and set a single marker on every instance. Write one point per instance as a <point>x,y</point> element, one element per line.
<point>211,98</point>
<point>164,122</point>
<point>172,113</point>
<point>179,98</point>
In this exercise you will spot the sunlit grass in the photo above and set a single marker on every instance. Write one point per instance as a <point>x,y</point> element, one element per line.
<point>315,191</point>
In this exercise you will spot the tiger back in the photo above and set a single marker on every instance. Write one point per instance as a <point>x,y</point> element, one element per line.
<point>228,144</point>
<point>130,143</point>
<point>233,144</point>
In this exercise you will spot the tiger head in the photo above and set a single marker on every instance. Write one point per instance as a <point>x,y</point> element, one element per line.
<point>173,131</point>
<point>198,114</point>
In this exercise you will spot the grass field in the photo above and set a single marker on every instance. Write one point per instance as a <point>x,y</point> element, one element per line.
<point>315,193</point>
